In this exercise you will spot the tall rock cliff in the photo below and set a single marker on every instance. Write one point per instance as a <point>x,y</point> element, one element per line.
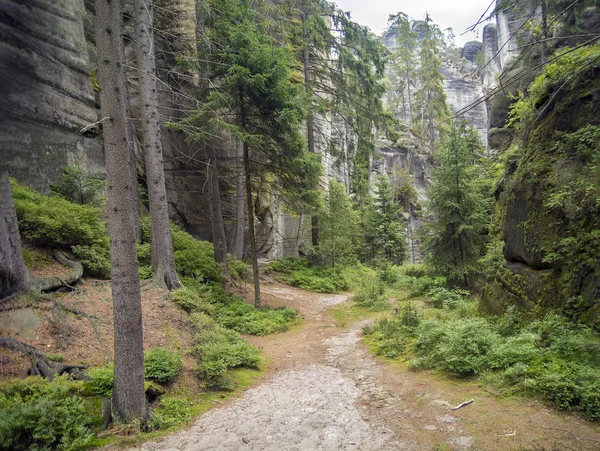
<point>46,91</point>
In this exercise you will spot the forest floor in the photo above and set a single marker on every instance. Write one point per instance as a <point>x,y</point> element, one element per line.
<point>323,389</point>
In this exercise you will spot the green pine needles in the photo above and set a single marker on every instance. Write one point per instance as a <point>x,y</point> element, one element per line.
<point>456,238</point>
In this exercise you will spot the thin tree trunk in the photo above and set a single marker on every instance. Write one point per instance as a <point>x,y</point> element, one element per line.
<point>310,120</point>
<point>216,211</point>
<point>129,400</point>
<point>544,31</point>
<point>218,228</point>
<point>163,263</point>
<point>238,250</point>
<point>248,175</point>
<point>14,276</point>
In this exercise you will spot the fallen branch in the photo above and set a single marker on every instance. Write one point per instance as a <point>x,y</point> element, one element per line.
<point>462,404</point>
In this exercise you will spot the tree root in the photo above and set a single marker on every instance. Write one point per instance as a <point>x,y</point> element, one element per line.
<point>40,365</point>
<point>54,283</point>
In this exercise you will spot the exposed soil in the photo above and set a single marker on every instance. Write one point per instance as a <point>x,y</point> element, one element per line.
<point>325,390</point>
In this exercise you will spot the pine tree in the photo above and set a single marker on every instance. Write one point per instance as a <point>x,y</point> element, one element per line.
<point>460,211</point>
<point>252,96</point>
<point>403,60</point>
<point>338,223</point>
<point>387,224</point>
<point>430,100</point>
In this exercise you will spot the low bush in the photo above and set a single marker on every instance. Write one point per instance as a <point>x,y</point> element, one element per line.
<point>288,265</point>
<point>192,301</point>
<point>54,222</point>
<point>162,365</point>
<point>371,295</point>
<point>171,412</point>
<point>232,312</point>
<point>194,258</point>
<point>237,268</point>
<point>246,319</point>
<point>219,349</point>
<point>43,415</point>
<point>101,380</point>
<point>440,297</point>
<point>550,358</point>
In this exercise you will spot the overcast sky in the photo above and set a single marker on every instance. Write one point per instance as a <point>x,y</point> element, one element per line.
<point>457,14</point>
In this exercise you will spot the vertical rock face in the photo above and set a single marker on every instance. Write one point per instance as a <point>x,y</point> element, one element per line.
<point>47,96</point>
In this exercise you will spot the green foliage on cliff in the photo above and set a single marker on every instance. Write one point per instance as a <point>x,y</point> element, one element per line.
<point>548,195</point>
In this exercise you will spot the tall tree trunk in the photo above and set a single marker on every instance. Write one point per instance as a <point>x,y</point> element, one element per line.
<point>163,263</point>
<point>250,210</point>
<point>310,120</point>
<point>129,400</point>
<point>14,276</point>
<point>216,213</point>
<point>238,249</point>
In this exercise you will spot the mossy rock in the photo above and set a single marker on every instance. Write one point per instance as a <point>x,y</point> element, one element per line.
<point>500,139</point>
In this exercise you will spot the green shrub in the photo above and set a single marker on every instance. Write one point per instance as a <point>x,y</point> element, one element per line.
<point>37,414</point>
<point>465,350</point>
<point>244,318</point>
<point>371,295</point>
<point>144,254</point>
<point>192,301</point>
<point>54,222</point>
<point>440,297</point>
<point>413,269</point>
<point>237,268</point>
<point>219,349</point>
<point>194,258</point>
<point>101,380</point>
<point>172,411</point>
<point>162,365</point>
<point>288,265</point>
<point>318,279</point>
<point>95,259</point>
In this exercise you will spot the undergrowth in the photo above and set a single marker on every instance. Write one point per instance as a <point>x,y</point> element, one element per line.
<point>43,415</point>
<point>232,311</point>
<point>298,272</point>
<point>549,358</point>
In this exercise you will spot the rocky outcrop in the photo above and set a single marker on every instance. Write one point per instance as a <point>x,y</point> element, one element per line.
<point>47,95</point>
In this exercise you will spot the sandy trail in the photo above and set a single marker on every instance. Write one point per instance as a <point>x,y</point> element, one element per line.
<point>325,391</point>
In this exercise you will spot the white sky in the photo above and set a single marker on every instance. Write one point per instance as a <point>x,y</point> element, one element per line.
<point>457,14</point>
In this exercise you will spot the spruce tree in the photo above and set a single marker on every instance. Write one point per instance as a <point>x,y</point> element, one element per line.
<point>252,96</point>
<point>387,224</point>
<point>455,239</point>
<point>403,60</point>
<point>430,100</point>
<point>338,222</point>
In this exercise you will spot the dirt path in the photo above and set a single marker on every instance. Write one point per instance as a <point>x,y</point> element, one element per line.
<point>325,391</point>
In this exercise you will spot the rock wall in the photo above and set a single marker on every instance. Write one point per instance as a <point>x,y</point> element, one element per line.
<point>47,96</point>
